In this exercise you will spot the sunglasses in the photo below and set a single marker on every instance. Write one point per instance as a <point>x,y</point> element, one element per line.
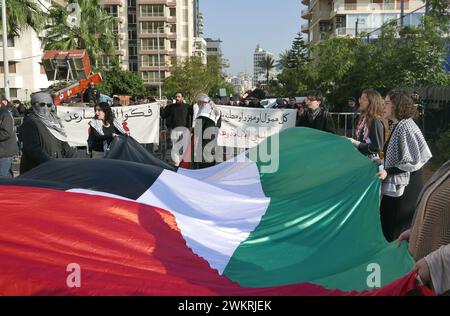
<point>49,105</point>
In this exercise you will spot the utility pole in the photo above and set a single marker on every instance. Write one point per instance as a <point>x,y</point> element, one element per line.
<point>5,51</point>
<point>402,12</point>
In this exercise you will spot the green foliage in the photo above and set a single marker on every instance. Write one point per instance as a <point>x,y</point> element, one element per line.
<point>442,145</point>
<point>22,14</point>
<point>94,31</point>
<point>344,66</point>
<point>191,77</point>
<point>121,82</point>
<point>268,63</point>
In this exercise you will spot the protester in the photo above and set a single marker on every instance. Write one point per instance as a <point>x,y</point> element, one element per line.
<point>316,116</point>
<point>91,94</point>
<point>8,140</point>
<point>116,101</point>
<point>42,134</point>
<point>177,115</point>
<point>292,104</point>
<point>207,121</point>
<point>20,107</point>
<point>280,104</point>
<point>429,236</point>
<point>102,130</point>
<point>352,108</point>
<point>406,153</point>
<point>372,129</point>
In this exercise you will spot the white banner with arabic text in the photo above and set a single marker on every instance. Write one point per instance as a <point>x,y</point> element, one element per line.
<point>247,127</point>
<point>142,121</point>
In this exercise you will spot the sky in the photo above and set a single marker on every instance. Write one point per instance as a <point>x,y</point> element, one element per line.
<point>242,24</point>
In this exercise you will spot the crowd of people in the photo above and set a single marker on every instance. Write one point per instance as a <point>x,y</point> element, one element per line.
<point>383,129</point>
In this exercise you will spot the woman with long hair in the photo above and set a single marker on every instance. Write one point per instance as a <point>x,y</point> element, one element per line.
<point>102,130</point>
<point>372,129</point>
<point>406,153</point>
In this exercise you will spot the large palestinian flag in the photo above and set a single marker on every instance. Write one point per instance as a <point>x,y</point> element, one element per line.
<point>310,228</point>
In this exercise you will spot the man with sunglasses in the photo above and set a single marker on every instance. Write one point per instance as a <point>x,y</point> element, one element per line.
<point>42,133</point>
<point>316,116</point>
<point>8,140</point>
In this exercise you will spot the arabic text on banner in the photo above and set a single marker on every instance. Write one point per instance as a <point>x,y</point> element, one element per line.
<point>247,127</point>
<point>142,121</point>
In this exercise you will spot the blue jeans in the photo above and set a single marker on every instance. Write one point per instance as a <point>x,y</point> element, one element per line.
<point>6,167</point>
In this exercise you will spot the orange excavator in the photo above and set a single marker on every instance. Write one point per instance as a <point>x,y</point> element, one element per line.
<point>70,70</point>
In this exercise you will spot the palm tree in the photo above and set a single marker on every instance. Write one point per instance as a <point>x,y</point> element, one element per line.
<point>22,14</point>
<point>268,63</point>
<point>93,32</point>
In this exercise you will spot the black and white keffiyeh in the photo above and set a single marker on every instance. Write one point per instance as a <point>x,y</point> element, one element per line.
<point>408,151</point>
<point>208,110</point>
<point>98,126</point>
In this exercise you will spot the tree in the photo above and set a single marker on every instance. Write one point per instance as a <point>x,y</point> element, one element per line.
<point>22,14</point>
<point>93,31</point>
<point>191,77</point>
<point>121,82</point>
<point>268,63</point>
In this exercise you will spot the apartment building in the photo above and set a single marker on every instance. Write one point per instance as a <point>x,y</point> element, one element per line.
<point>153,32</point>
<point>259,73</point>
<point>24,53</point>
<point>353,17</point>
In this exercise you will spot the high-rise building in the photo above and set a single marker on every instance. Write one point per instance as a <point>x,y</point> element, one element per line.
<point>353,17</point>
<point>213,47</point>
<point>259,73</point>
<point>26,73</point>
<point>154,32</point>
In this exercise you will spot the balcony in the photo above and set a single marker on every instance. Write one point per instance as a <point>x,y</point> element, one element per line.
<point>13,54</point>
<point>351,31</point>
<point>15,81</point>
<point>306,14</point>
<point>113,2</point>
<point>368,6</point>
<point>305,28</point>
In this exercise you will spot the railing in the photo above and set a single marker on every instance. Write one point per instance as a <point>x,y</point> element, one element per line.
<point>345,123</point>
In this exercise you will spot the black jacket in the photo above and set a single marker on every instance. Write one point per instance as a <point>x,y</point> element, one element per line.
<point>377,138</point>
<point>8,140</point>
<point>176,115</point>
<point>97,139</point>
<point>323,121</point>
<point>39,144</point>
<point>91,94</point>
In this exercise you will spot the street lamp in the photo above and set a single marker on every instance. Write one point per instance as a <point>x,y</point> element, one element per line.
<point>163,27</point>
<point>5,51</point>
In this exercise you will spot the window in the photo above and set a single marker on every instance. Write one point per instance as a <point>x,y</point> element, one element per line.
<point>131,3</point>
<point>12,92</point>
<point>152,61</point>
<point>11,68</point>
<point>173,12</point>
<point>133,66</point>
<point>42,69</point>
<point>173,28</point>
<point>152,44</point>
<point>152,10</point>
<point>173,44</point>
<point>10,42</point>
<point>131,18</point>
<point>152,27</point>
<point>132,35</point>
<point>112,10</point>
<point>398,4</point>
<point>132,50</point>
<point>350,5</point>
<point>152,76</point>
